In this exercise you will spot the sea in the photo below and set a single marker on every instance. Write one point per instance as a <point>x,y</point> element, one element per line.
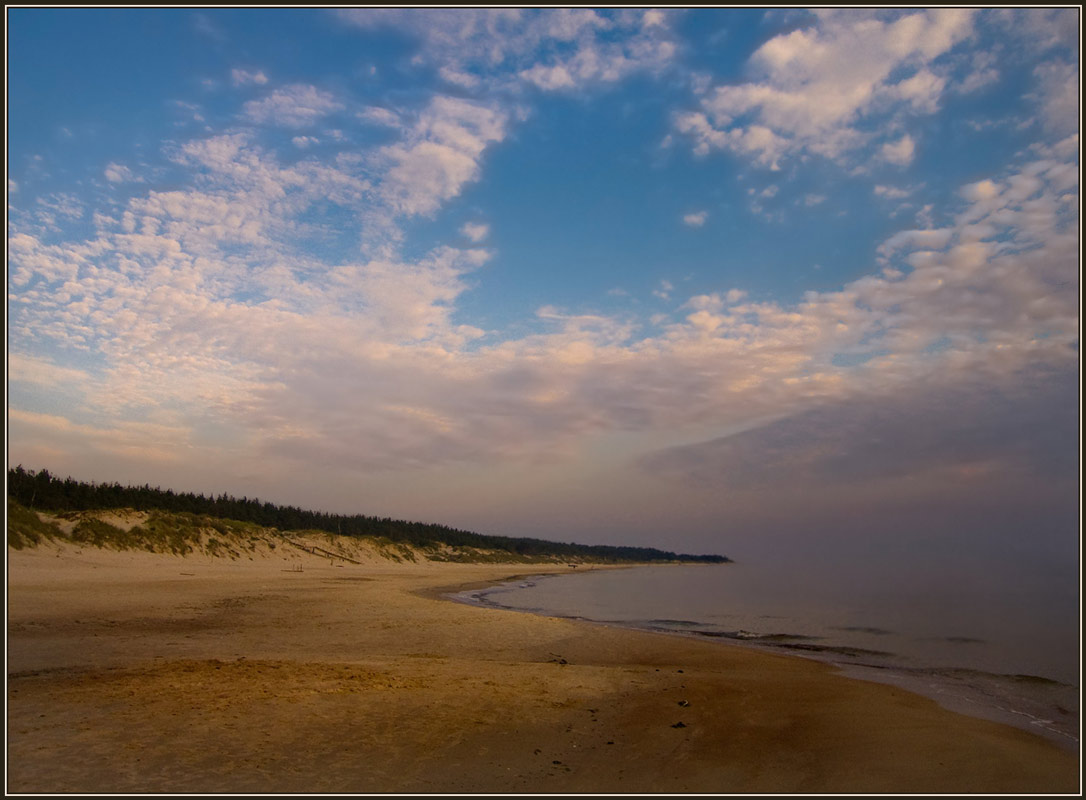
<point>997,656</point>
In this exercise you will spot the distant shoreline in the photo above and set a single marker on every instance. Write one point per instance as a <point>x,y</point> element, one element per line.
<point>40,491</point>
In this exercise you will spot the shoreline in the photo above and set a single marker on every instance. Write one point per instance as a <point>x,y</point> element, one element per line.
<point>243,677</point>
<point>949,689</point>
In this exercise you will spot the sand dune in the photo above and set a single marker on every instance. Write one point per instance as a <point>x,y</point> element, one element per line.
<point>141,672</point>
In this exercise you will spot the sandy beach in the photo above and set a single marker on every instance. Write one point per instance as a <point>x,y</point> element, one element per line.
<point>145,673</point>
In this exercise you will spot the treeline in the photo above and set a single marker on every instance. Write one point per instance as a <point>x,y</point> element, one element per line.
<point>45,492</point>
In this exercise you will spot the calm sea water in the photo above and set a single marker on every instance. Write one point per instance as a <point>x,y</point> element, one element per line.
<point>1009,656</point>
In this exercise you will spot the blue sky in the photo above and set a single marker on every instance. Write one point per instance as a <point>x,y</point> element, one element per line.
<point>734,281</point>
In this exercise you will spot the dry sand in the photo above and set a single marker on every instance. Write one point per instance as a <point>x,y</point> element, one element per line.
<point>144,673</point>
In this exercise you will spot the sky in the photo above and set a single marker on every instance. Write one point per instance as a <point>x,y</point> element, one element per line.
<point>770,283</point>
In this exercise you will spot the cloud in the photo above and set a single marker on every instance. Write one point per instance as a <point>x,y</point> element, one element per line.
<point>900,152</point>
<point>40,372</point>
<point>982,72</point>
<point>292,106</point>
<point>439,154</point>
<point>406,302</point>
<point>986,189</point>
<point>695,219</point>
<point>380,116</point>
<point>818,89</point>
<point>925,239</point>
<point>550,49</point>
<point>192,110</point>
<point>1040,29</point>
<point>475,231</point>
<point>961,429</point>
<point>458,78</point>
<point>61,204</point>
<point>142,442</point>
<point>891,192</point>
<point>242,77</point>
<point>203,25</point>
<point>227,300</point>
<point>118,173</point>
<point>1059,96</point>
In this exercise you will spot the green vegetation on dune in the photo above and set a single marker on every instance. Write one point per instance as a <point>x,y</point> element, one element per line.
<point>158,532</point>
<point>99,533</point>
<point>189,513</point>
<point>26,529</point>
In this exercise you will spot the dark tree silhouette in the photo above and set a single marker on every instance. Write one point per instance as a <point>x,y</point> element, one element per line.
<point>45,492</point>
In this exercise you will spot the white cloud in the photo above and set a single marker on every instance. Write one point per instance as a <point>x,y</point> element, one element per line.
<point>193,111</point>
<point>475,231</point>
<point>982,72</point>
<point>207,302</point>
<point>302,142</point>
<point>380,116</point>
<point>1041,29</point>
<point>242,77</point>
<point>551,49</point>
<point>756,205</point>
<point>812,87</point>
<point>293,106</point>
<point>922,91</point>
<point>599,63</point>
<point>550,77</point>
<point>61,204</point>
<point>981,190</point>
<point>455,76</point>
<point>653,17</point>
<point>336,375</point>
<point>891,192</point>
<point>924,216</point>
<point>406,301</point>
<point>900,152</point>
<point>118,173</point>
<point>1059,96</point>
<point>439,154</point>
<point>921,239</point>
<point>38,371</point>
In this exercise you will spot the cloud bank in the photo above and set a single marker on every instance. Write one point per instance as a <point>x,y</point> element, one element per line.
<point>266,310</point>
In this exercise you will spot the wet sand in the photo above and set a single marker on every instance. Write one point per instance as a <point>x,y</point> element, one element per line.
<point>142,673</point>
